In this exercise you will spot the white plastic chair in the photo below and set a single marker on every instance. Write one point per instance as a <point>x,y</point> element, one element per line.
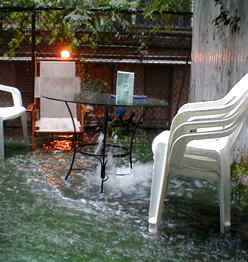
<point>12,112</point>
<point>200,145</point>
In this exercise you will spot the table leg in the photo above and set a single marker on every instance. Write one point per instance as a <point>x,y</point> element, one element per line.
<point>103,150</point>
<point>74,141</point>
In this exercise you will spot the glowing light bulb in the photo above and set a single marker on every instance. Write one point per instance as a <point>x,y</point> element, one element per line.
<point>65,54</point>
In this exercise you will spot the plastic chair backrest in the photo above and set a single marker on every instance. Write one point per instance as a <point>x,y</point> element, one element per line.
<point>211,109</point>
<point>16,94</point>
<point>228,126</point>
<point>238,90</point>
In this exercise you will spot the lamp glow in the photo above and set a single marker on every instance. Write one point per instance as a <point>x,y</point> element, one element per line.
<point>65,54</point>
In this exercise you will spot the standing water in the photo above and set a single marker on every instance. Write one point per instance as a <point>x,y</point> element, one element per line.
<point>44,218</point>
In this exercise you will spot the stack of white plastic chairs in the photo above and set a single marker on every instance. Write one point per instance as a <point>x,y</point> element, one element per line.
<point>200,145</point>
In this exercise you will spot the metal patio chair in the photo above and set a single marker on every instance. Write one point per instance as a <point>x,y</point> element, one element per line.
<point>12,112</point>
<point>199,145</point>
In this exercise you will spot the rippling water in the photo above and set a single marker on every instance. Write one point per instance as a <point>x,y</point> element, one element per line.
<point>45,219</point>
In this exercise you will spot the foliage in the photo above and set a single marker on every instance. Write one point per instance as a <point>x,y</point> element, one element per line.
<point>142,151</point>
<point>83,21</point>
<point>225,18</point>
<point>64,25</point>
<point>240,182</point>
<point>94,85</point>
<point>156,11</point>
<point>118,127</point>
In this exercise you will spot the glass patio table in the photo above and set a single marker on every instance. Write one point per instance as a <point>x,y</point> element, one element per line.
<point>107,101</point>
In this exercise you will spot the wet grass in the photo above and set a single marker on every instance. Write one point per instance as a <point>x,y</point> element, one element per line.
<point>13,148</point>
<point>44,218</point>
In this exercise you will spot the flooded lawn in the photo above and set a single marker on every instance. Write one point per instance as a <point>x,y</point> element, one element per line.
<point>44,218</point>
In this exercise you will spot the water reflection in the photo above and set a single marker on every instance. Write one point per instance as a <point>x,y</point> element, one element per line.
<point>45,219</point>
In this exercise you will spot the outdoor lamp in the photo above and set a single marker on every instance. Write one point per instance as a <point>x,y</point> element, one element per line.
<point>65,54</point>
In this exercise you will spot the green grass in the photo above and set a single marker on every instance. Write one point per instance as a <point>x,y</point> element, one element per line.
<point>13,148</point>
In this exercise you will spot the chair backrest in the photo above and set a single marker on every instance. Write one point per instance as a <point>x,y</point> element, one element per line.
<point>223,118</point>
<point>16,94</point>
<point>220,106</point>
<point>55,78</point>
